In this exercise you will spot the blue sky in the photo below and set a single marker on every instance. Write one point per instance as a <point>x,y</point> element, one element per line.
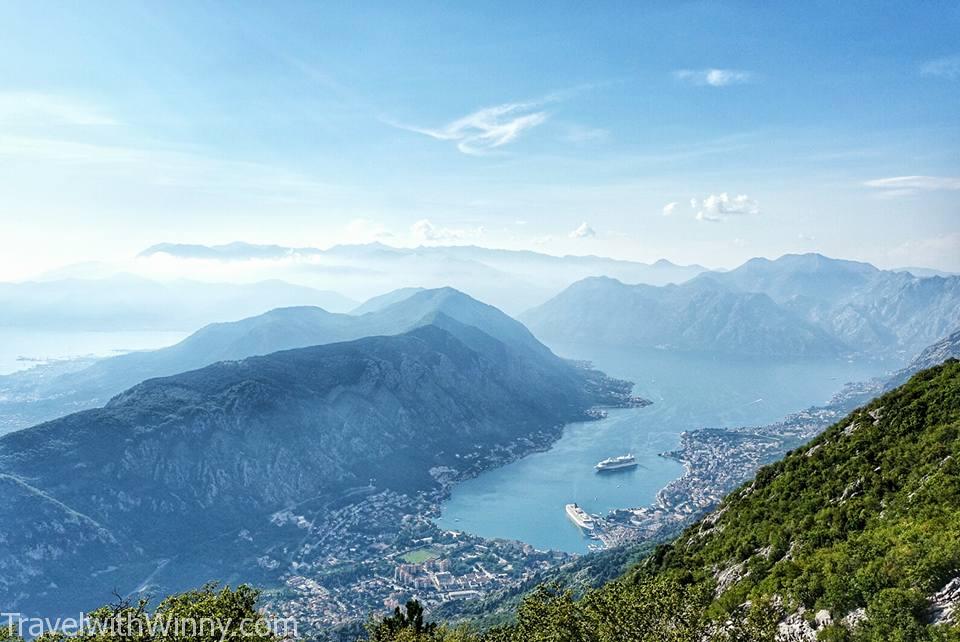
<point>701,132</point>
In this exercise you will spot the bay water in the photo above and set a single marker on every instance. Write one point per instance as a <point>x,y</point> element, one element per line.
<point>525,500</point>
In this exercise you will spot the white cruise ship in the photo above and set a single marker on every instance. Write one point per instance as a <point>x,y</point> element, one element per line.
<point>580,517</point>
<point>617,463</point>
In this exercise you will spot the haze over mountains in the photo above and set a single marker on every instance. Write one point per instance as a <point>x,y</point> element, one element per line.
<point>690,317</point>
<point>866,308</point>
<point>143,484</point>
<point>512,280</point>
<point>797,305</point>
<point>128,302</point>
<point>30,397</point>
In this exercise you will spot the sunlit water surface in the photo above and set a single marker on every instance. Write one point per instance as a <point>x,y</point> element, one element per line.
<point>21,349</point>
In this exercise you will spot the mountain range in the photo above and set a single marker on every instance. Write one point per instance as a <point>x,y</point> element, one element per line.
<point>41,394</point>
<point>143,488</point>
<point>866,308</point>
<point>696,316</point>
<point>512,280</point>
<point>797,305</point>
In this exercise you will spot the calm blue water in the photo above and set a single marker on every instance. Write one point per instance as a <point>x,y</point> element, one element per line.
<point>21,349</point>
<point>525,500</point>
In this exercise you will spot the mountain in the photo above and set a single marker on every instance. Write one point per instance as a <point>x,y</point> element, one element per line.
<point>377,303</point>
<point>29,397</point>
<point>924,272</point>
<point>855,536</point>
<point>793,306</point>
<point>127,302</point>
<point>695,316</point>
<point>934,355</point>
<point>189,476</point>
<point>798,276</point>
<point>512,280</point>
<point>868,309</point>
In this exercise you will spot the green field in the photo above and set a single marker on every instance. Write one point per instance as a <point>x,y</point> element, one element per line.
<point>420,555</point>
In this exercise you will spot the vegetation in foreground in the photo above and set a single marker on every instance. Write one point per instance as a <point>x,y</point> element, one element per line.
<point>210,614</point>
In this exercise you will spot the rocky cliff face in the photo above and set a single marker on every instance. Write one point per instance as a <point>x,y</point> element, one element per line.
<point>174,463</point>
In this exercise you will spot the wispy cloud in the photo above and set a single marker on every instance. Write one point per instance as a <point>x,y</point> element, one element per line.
<point>719,207</point>
<point>713,77</point>
<point>584,231</point>
<point>946,67</point>
<point>45,108</point>
<point>580,134</point>
<point>897,186</point>
<point>669,208</point>
<point>487,128</point>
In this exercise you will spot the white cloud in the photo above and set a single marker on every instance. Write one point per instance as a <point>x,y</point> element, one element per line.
<point>425,231</point>
<point>693,203</point>
<point>897,186</point>
<point>486,128</point>
<point>669,208</point>
<point>584,231</point>
<point>25,106</point>
<point>713,77</point>
<point>719,207</point>
<point>947,67</point>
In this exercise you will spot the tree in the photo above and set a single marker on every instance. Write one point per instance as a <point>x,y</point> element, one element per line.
<point>402,625</point>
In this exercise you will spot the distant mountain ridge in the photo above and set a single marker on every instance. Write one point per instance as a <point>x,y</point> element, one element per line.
<point>695,316</point>
<point>175,463</point>
<point>241,251</point>
<point>866,308</point>
<point>796,305</point>
<point>513,280</point>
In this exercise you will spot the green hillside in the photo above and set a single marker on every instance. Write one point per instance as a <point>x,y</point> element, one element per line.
<point>848,538</point>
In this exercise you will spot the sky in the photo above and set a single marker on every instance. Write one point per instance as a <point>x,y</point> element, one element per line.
<point>700,132</point>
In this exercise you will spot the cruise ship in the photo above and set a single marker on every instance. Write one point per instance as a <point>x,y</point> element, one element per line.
<point>580,517</point>
<point>617,463</point>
